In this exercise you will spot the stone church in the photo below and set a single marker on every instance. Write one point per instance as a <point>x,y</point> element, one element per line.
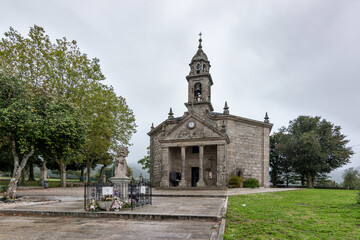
<point>204,148</point>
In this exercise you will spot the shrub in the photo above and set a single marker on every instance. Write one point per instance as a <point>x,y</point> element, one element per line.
<point>235,181</point>
<point>251,183</point>
<point>4,188</point>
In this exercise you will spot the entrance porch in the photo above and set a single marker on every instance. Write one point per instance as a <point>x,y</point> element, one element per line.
<point>192,166</point>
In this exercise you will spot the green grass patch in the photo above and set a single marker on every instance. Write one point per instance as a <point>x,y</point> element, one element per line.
<point>301,214</point>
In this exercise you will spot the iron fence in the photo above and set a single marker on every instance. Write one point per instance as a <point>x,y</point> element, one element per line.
<point>138,193</point>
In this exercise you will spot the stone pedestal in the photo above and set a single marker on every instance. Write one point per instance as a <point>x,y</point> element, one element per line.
<point>43,174</point>
<point>121,184</point>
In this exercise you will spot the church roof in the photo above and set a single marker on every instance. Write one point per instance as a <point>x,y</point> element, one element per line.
<point>199,55</point>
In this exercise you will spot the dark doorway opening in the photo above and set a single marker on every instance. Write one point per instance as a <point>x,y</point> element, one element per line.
<point>194,176</point>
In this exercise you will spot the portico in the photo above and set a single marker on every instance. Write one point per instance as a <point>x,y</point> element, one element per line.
<point>196,163</point>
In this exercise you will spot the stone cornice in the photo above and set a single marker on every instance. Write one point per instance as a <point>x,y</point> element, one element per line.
<point>240,119</point>
<point>167,121</point>
<point>208,75</point>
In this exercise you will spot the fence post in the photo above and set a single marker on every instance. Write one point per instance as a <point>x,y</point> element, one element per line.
<point>149,183</point>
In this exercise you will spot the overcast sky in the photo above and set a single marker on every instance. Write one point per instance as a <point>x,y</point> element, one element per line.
<point>287,58</point>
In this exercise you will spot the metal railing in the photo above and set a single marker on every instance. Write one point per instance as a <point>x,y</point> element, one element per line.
<point>138,193</point>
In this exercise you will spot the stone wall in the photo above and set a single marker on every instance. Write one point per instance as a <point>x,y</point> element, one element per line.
<point>247,151</point>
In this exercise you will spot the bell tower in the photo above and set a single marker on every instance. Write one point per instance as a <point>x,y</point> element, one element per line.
<point>199,83</point>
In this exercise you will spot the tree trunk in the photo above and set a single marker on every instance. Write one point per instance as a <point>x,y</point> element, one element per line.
<point>287,179</point>
<point>102,173</point>
<point>302,180</point>
<point>31,172</point>
<point>88,171</point>
<point>22,178</point>
<point>309,180</point>
<point>62,174</point>
<point>82,175</point>
<point>312,180</point>
<point>18,167</point>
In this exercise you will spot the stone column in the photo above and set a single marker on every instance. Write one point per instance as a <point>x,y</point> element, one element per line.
<point>165,168</point>
<point>183,181</point>
<point>201,182</point>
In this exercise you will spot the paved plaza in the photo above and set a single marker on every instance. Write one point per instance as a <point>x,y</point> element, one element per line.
<point>57,213</point>
<point>19,227</point>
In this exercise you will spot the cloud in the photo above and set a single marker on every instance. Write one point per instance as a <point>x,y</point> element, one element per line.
<point>284,57</point>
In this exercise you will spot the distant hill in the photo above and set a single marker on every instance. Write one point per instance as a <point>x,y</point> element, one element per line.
<point>137,169</point>
<point>337,174</point>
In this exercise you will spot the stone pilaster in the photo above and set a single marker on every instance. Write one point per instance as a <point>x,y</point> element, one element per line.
<point>165,168</point>
<point>221,166</point>
<point>201,182</point>
<point>183,181</point>
<point>266,163</point>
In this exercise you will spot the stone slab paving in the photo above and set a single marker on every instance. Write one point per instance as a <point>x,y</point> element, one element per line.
<point>205,205</point>
<point>195,208</point>
<point>17,227</point>
<point>78,192</point>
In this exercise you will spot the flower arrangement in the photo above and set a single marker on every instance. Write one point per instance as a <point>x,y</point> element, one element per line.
<point>117,205</point>
<point>116,193</point>
<point>107,198</point>
<point>127,203</point>
<point>92,206</point>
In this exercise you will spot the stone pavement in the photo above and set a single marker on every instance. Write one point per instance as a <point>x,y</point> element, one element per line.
<point>180,214</point>
<point>17,227</point>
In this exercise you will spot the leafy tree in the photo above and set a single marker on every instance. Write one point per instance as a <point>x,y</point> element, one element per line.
<point>112,125</point>
<point>314,146</point>
<point>65,135</point>
<point>351,179</point>
<point>129,172</point>
<point>281,170</point>
<point>61,69</point>
<point>30,118</point>
<point>145,161</point>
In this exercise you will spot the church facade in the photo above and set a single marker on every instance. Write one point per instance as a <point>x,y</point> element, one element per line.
<point>204,148</point>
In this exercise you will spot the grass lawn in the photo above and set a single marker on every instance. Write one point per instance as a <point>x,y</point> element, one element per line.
<point>300,214</point>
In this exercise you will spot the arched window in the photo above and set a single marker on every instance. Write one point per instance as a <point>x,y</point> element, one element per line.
<point>197,68</point>
<point>204,67</point>
<point>197,91</point>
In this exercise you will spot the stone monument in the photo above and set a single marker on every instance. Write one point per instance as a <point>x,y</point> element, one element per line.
<point>120,180</point>
<point>120,163</point>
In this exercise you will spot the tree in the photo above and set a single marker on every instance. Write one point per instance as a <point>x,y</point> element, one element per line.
<point>314,146</point>
<point>112,125</point>
<point>281,170</point>
<point>351,179</point>
<point>64,134</point>
<point>145,161</point>
<point>31,118</point>
<point>61,69</point>
<point>129,172</point>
